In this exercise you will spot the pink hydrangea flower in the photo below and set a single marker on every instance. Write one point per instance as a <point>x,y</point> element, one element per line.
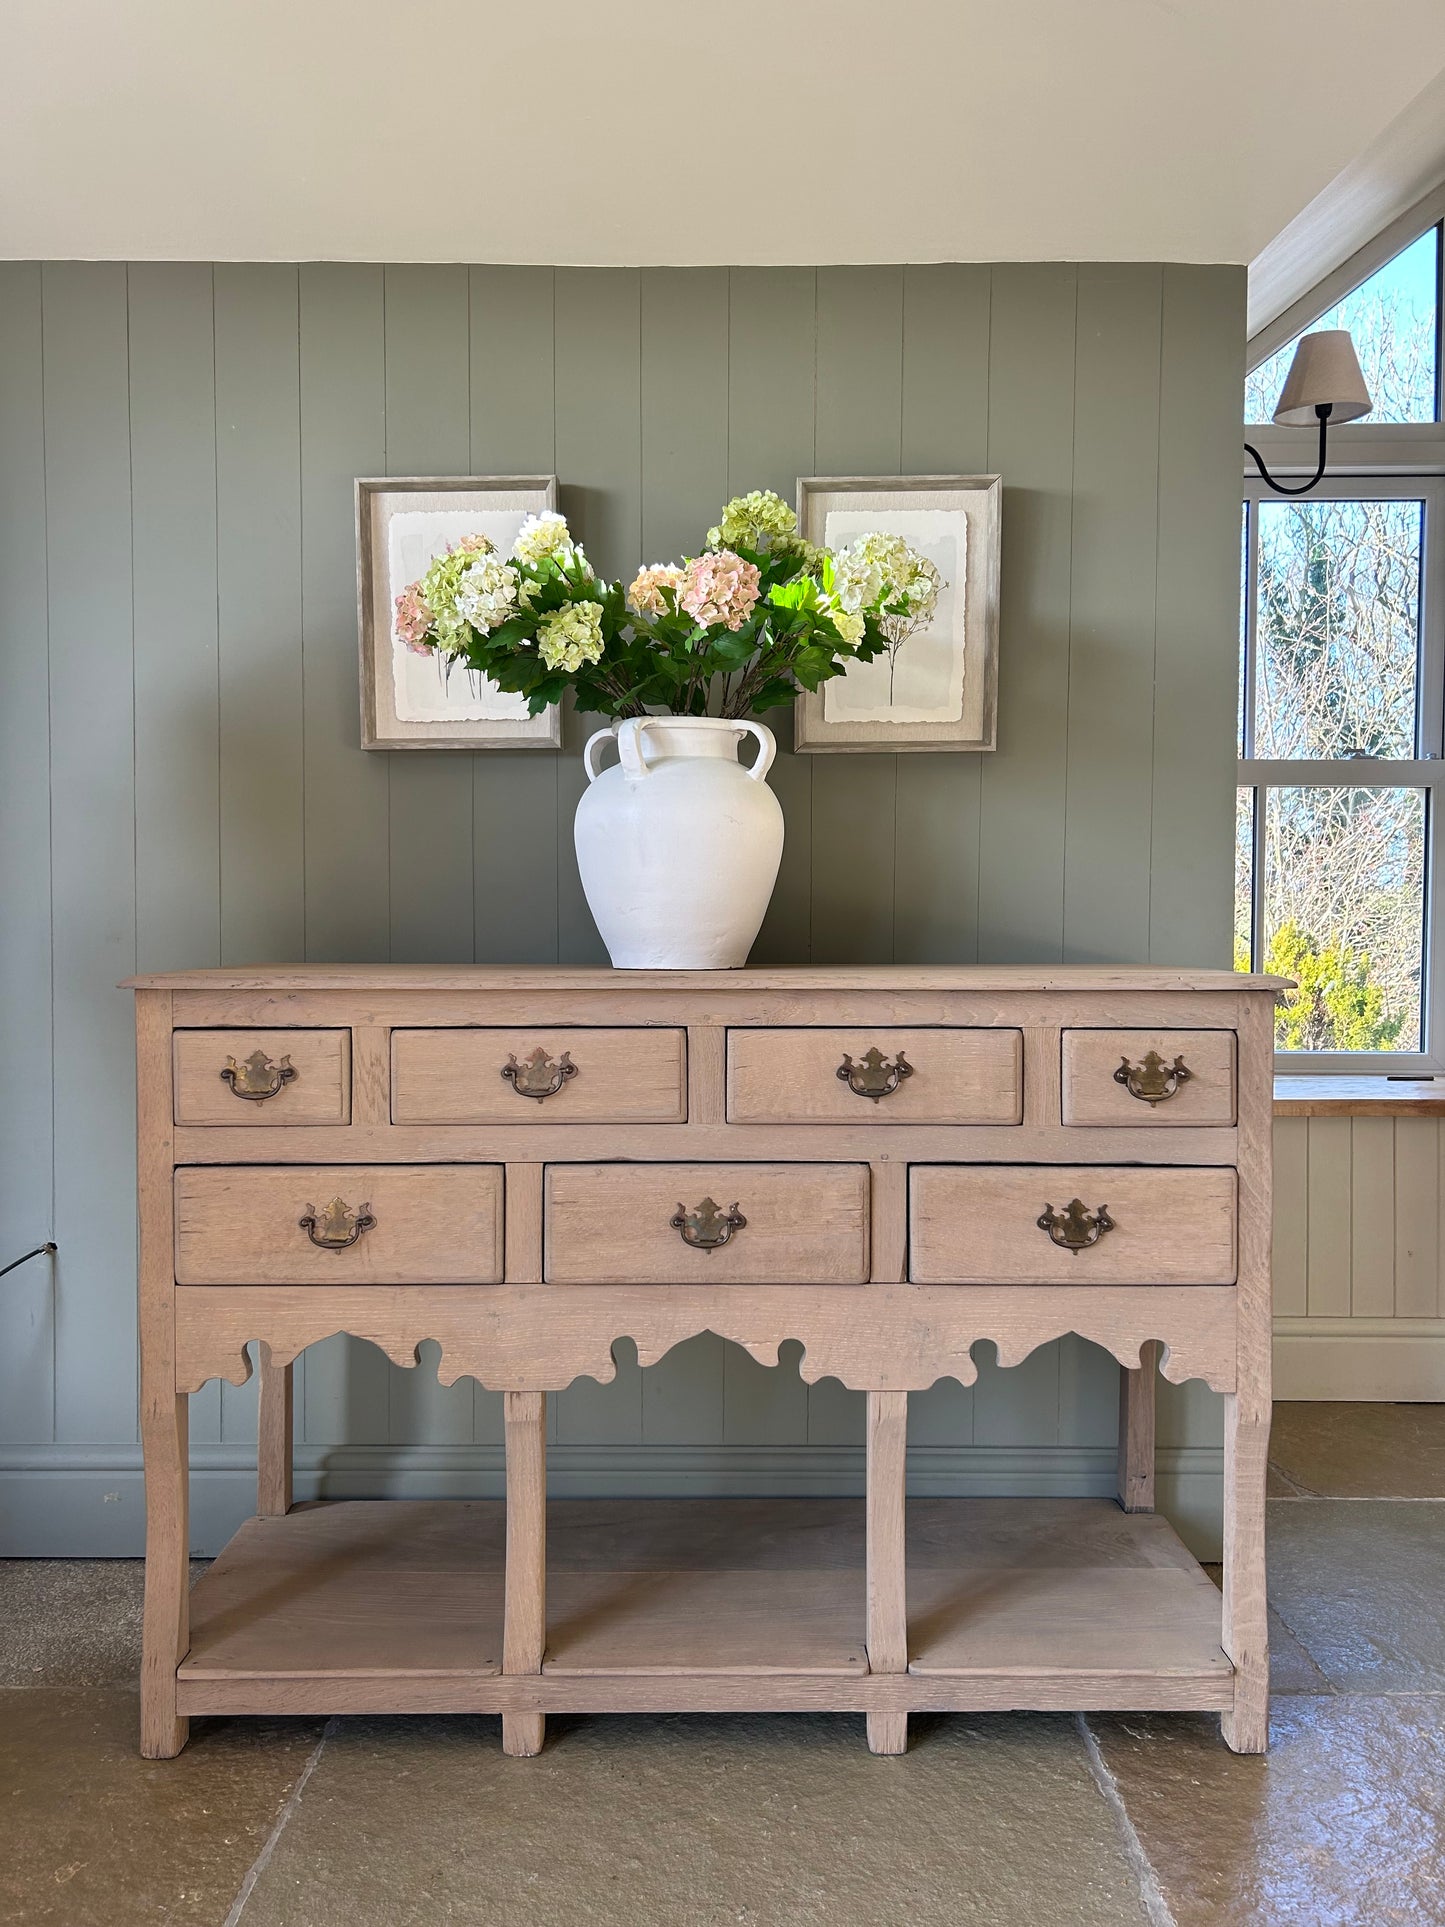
<point>413,619</point>
<point>719,587</point>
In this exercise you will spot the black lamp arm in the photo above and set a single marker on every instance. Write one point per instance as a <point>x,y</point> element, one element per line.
<point>1324,410</point>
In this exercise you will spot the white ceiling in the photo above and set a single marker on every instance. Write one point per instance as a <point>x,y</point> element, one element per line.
<point>642,131</point>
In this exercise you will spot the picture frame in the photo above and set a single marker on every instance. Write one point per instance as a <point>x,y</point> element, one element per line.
<point>407,702</point>
<point>943,681</point>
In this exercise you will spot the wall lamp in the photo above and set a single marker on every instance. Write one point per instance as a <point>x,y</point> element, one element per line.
<point>1324,384</point>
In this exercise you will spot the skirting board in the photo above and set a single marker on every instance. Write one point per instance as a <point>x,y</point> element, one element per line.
<point>88,1501</point>
<point>1390,1360</point>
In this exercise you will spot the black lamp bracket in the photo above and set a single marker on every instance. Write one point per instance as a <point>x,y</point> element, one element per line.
<point>1323,410</point>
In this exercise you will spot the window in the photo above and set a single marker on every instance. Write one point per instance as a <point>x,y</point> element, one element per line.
<point>1393,317</point>
<point>1341,717</point>
<point>1339,861</point>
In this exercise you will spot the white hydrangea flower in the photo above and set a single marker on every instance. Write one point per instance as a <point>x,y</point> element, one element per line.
<point>877,571</point>
<point>486,593</point>
<point>541,536</point>
<point>569,637</point>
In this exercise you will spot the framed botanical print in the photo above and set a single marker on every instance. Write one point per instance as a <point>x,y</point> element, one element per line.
<point>936,686</point>
<point>408,700</point>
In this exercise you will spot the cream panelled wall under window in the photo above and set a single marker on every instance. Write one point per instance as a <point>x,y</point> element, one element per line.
<point>182,783</point>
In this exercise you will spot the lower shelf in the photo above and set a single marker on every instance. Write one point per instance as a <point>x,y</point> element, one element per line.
<point>704,1605</point>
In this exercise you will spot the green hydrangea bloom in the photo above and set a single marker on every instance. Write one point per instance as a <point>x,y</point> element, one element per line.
<point>758,521</point>
<point>570,637</point>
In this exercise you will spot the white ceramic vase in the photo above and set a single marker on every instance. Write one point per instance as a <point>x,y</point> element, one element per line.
<point>678,843</point>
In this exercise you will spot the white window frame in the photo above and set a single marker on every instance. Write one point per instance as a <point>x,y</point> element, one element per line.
<point>1404,460</point>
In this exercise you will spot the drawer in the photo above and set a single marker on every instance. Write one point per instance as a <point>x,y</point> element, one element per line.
<point>948,1076</point>
<point>1128,1077</point>
<point>433,1224</point>
<point>261,1077</point>
<point>613,1224</point>
<point>561,1076</point>
<point>979,1225</point>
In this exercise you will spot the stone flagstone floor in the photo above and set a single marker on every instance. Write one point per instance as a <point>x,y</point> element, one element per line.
<point>1023,1820</point>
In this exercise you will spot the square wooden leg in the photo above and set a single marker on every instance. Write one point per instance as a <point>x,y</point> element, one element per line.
<point>524,1633</point>
<point>273,1438</point>
<point>887,1592</point>
<point>1246,1613</point>
<point>1137,1391</point>
<point>166,1626</point>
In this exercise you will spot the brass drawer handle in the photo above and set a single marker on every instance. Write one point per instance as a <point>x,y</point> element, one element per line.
<point>874,1077</point>
<point>707,1227</point>
<point>1075,1229</point>
<point>1153,1080</point>
<point>258,1078</point>
<point>338,1227</point>
<point>539,1077</point>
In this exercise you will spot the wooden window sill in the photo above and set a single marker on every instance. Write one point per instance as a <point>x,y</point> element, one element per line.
<point>1359,1097</point>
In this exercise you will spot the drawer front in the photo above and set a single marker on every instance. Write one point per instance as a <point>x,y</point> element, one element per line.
<point>979,1225</point>
<point>261,1078</point>
<point>613,1224</point>
<point>433,1224</point>
<point>913,1077</point>
<point>559,1076</point>
<point>1149,1078</point>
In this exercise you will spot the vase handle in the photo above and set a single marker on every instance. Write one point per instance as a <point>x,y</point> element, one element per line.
<point>593,742</point>
<point>767,749</point>
<point>629,747</point>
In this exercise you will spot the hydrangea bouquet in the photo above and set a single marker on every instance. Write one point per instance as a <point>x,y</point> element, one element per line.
<point>758,615</point>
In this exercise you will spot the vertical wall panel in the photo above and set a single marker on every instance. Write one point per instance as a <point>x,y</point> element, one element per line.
<point>514,792</point>
<point>1372,1217</point>
<point>1291,1216</point>
<point>859,432</point>
<point>945,432</point>
<point>258,506</point>
<point>428,432</point>
<point>764,1404</point>
<point>682,1394</point>
<point>599,461</point>
<point>1197,580</point>
<point>1030,443</point>
<point>1330,1217</point>
<point>344,1393</point>
<point>1111,615</point>
<point>1417,1217</point>
<point>177,702</point>
<point>27,1335</point>
<point>772,330</point>
<point>92,830</point>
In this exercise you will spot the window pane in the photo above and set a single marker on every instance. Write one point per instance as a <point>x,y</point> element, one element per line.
<point>1244,881</point>
<point>1392,319</point>
<point>1338,616</point>
<point>1344,904</point>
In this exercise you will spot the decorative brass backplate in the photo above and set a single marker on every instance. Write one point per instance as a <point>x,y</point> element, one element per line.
<point>538,1076</point>
<point>1153,1080</point>
<point>337,1227</point>
<point>258,1077</point>
<point>874,1077</point>
<point>1075,1229</point>
<point>707,1227</point>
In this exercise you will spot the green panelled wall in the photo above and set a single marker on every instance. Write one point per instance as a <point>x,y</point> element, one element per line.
<point>180,781</point>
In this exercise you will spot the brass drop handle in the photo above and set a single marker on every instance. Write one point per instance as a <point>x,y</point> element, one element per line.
<point>258,1078</point>
<point>337,1227</point>
<point>874,1076</point>
<point>1153,1080</point>
<point>1075,1229</point>
<point>537,1076</point>
<point>707,1227</point>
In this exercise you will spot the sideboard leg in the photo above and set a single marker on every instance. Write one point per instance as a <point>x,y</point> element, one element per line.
<point>524,1633</point>
<point>887,1601</point>
<point>1246,1618</point>
<point>273,1438</point>
<point>1136,1430</point>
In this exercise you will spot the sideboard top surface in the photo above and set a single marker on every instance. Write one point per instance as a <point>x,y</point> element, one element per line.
<point>805,977</point>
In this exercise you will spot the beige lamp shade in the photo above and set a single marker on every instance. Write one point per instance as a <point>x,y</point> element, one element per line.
<point>1325,370</point>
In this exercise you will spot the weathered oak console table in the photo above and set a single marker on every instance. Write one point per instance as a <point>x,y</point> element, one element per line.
<point>526,1165</point>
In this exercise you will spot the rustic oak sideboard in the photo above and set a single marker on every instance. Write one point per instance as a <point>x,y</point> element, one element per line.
<point>526,1165</point>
